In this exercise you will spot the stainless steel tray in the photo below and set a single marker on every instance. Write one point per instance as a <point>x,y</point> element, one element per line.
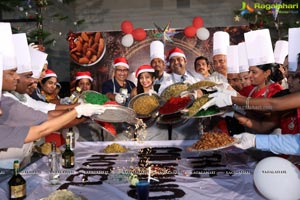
<point>167,93</point>
<point>116,114</point>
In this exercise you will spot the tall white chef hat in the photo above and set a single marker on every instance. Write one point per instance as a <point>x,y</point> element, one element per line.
<point>220,43</point>
<point>38,59</point>
<point>232,59</point>
<point>22,53</point>
<point>7,47</point>
<point>157,50</point>
<point>243,59</point>
<point>1,74</point>
<point>281,51</point>
<point>259,47</point>
<point>294,48</point>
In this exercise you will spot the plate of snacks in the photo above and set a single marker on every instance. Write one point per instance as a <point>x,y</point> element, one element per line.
<point>173,90</point>
<point>115,148</point>
<point>212,142</point>
<point>63,195</point>
<point>145,105</point>
<point>87,48</point>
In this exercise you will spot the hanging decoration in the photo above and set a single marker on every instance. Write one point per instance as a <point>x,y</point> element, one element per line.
<point>197,29</point>
<point>164,34</point>
<point>139,34</point>
<point>198,22</point>
<point>190,31</point>
<point>127,27</point>
<point>131,34</point>
<point>202,33</point>
<point>127,40</point>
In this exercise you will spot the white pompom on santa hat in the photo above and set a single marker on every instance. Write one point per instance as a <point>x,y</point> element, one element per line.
<point>142,69</point>
<point>176,52</point>
<point>85,74</point>
<point>50,73</point>
<point>121,61</point>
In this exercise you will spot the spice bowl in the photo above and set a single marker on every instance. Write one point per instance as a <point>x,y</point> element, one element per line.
<point>145,105</point>
<point>176,104</point>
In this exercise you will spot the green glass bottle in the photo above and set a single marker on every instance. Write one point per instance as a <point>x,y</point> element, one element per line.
<point>68,158</point>
<point>17,184</point>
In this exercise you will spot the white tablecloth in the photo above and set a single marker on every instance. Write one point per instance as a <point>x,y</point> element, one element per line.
<point>238,186</point>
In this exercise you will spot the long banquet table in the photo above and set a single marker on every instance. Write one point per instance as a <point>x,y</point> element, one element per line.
<point>223,174</point>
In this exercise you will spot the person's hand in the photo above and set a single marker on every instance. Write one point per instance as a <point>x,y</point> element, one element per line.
<point>245,140</point>
<point>120,99</point>
<point>221,99</point>
<point>34,46</point>
<point>88,110</point>
<point>226,89</point>
<point>65,100</point>
<point>208,104</point>
<point>192,94</point>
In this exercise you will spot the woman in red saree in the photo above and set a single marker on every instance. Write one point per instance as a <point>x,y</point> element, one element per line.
<point>264,79</point>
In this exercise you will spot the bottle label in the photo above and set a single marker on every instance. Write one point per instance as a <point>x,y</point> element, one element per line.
<point>72,140</point>
<point>68,161</point>
<point>18,191</point>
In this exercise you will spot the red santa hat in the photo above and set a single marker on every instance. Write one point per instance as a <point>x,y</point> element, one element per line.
<point>81,75</point>
<point>176,52</point>
<point>50,73</point>
<point>143,68</point>
<point>121,61</point>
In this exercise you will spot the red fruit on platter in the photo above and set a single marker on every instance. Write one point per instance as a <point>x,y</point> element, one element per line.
<point>190,31</point>
<point>127,27</point>
<point>139,34</point>
<point>198,22</point>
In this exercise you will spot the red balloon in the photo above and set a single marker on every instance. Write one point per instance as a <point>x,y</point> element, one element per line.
<point>139,34</point>
<point>127,27</point>
<point>190,31</point>
<point>198,22</point>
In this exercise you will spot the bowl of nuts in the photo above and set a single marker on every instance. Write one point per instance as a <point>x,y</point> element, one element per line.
<point>87,48</point>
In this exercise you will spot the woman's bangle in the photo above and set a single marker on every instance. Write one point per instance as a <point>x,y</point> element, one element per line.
<point>247,102</point>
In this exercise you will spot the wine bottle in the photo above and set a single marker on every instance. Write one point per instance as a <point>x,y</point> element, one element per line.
<point>124,92</point>
<point>75,95</point>
<point>54,164</point>
<point>17,184</point>
<point>68,159</point>
<point>71,134</point>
